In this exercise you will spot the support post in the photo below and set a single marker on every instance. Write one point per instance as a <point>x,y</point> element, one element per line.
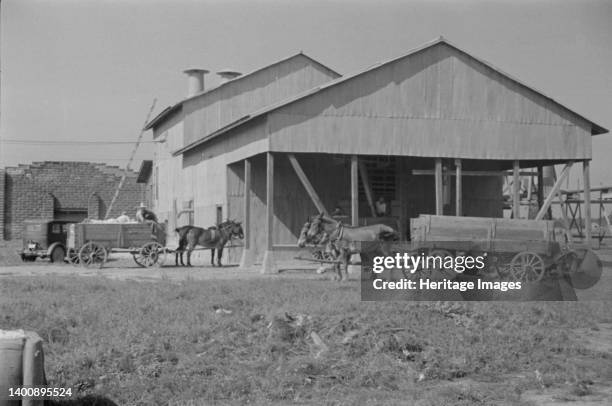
<point>516,191</point>
<point>439,188</point>
<point>553,191</point>
<point>248,257</point>
<point>307,185</point>
<point>586,178</point>
<point>354,190</point>
<point>458,188</point>
<point>269,265</point>
<point>540,186</point>
<point>363,171</point>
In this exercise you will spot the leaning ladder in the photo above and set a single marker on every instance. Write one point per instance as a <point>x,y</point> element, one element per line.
<point>127,167</point>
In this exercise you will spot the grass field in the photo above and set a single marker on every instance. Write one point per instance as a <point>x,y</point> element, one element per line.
<point>231,342</point>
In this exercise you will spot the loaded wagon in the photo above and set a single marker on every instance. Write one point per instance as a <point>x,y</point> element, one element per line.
<point>90,244</point>
<point>523,250</point>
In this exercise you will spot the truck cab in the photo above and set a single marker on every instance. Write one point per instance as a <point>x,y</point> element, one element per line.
<point>44,239</point>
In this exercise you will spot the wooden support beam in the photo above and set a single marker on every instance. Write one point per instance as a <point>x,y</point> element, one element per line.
<point>248,257</point>
<point>269,265</point>
<point>529,187</point>
<point>586,177</point>
<point>354,190</point>
<point>307,185</point>
<point>363,171</point>
<point>516,190</point>
<point>540,186</point>
<point>553,191</point>
<point>458,188</point>
<point>566,220</point>
<point>429,172</point>
<point>439,188</point>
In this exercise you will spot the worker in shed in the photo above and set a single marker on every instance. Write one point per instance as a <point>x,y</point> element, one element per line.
<point>381,207</point>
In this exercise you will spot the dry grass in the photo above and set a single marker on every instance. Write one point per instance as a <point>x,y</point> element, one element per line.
<point>230,342</point>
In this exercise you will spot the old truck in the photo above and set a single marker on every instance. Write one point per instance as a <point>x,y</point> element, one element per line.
<point>44,239</point>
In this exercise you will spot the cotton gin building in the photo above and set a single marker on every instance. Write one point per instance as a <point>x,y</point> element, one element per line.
<point>432,131</point>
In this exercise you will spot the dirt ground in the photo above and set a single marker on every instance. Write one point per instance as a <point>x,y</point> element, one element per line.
<point>122,267</point>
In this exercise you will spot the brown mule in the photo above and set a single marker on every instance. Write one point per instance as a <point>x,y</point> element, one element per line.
<point>214,238</point>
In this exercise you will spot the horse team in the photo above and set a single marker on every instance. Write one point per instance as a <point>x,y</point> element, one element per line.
<point>340,241</point>
<point>214,237</point>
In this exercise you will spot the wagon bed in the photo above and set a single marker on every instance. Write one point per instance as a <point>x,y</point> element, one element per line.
<point>545,237</point>
<point>91,243</point>
<point>523,250</point>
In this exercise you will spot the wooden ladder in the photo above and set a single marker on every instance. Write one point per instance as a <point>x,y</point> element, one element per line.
<point>127,167</point>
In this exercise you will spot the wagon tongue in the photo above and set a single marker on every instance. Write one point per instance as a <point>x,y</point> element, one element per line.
<point>588,271</point>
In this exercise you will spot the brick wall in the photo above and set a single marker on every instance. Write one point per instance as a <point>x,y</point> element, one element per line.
<point>39,189</point>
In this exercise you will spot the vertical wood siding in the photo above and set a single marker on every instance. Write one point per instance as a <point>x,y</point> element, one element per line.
<point>223,105</point>
<point>436,103</point>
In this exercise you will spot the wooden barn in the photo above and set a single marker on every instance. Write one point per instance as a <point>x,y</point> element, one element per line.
<point>432,131</point>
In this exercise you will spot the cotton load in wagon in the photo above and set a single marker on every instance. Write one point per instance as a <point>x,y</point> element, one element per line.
<point>111,221</point>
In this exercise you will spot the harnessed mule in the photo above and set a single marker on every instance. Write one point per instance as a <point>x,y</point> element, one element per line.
<point>214,238</point>
<point>341,240</point>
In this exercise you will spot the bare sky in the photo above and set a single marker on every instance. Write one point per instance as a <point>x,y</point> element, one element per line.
<point>88,70</point>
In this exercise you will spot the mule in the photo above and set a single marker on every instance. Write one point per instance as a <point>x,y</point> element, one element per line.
<point>182,243</point>
<point>342,240</point>
<point>214,238</point>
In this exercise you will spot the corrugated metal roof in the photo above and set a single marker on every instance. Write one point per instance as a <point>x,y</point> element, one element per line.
<point>169,110</point>
<point>595,128</point>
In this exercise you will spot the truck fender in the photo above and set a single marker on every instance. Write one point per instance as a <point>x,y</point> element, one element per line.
<point>52,247</point>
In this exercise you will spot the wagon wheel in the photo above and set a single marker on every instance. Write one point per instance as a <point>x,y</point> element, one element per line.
<point>317,254</point>
<point>92,254</point>
<point>444,273</point>
<point>497,266</point>
<point>150,254</point>
<point>73,257</point>
<point>527,267</point>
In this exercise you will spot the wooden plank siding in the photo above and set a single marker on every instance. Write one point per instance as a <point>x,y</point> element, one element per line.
<point>225,104</point>
<point>172,185</point>
<point>436,103</point>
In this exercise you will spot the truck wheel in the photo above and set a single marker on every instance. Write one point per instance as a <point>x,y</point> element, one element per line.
<point>57,255</point>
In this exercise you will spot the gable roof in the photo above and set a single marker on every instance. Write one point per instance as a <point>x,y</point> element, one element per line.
<point>168,111</point>
<point>595,128</point>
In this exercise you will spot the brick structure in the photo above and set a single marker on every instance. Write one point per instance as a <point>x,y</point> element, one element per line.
<point>63,190</point>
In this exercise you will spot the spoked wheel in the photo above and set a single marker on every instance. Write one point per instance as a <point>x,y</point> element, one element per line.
<point>440,271</point>
<point>527,267</point>
<point>92,254</point>
<point>73,257</point>
<point>150,254</point>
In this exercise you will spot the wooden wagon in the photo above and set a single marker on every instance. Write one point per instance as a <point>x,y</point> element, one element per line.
<point>90,244</point>
<point>523,250</point>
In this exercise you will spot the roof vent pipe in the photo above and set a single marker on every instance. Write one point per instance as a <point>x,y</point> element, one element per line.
<point>228,74</point>
<point>195,82</point>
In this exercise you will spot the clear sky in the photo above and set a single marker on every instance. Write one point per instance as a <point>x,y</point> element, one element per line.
<point>87,71</point>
